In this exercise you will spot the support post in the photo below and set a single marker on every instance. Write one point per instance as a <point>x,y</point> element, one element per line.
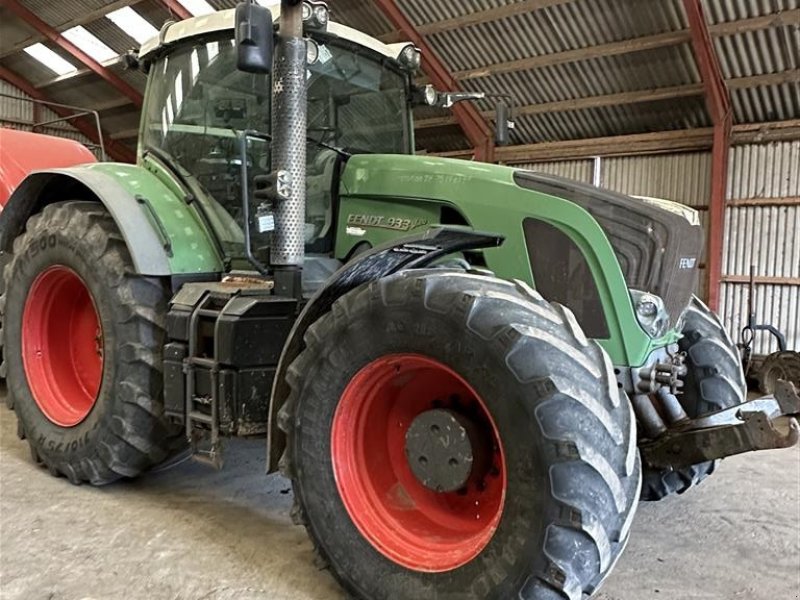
<point>719,105</point>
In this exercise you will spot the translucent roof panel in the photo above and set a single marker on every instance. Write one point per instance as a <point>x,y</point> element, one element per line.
<point>132,23</point>
<point>50,59</point>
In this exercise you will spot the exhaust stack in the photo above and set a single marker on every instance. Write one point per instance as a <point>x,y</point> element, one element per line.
<point>289,147</point>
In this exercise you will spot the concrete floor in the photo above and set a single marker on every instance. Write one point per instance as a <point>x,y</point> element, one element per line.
<point>191,533</point>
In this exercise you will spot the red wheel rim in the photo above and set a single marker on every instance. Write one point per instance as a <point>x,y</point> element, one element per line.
<point>408,523</point>
<point>62,346</point>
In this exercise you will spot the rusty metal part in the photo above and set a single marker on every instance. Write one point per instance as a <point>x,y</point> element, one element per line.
<point>248,281</point>
<point>744,428</point>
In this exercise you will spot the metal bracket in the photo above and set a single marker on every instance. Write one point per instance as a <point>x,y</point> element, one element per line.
<point>744,428</point>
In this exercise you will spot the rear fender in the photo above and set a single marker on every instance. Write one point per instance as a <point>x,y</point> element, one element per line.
<point>413,252</point>
<point>162,232</point>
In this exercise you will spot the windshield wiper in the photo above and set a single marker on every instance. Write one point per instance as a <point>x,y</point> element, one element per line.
<point>340,151</point>
<point>310,140</point>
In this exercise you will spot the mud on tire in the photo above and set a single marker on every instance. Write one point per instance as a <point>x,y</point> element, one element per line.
<point>714,381</point>
<point>124,432</point>
<point>573,472</point>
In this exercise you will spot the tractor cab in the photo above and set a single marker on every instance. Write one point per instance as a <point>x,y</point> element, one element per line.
<point>200,102</point>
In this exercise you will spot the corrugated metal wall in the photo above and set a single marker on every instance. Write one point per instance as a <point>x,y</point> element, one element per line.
<point>684,178</point>
<point>18,113</point>
<point>767,237</point>
<point>579,170</point>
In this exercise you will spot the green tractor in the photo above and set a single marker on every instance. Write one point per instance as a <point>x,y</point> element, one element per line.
<point>470,373</point>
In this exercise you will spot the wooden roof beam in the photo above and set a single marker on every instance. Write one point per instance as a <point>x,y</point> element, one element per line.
<point>666,93</point>
<point>476,17</point>
<point>640,44</point>
<point>81,19</point>
<point>659,142</point>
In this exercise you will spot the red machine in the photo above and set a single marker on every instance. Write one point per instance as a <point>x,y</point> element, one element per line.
<point>22,152</point>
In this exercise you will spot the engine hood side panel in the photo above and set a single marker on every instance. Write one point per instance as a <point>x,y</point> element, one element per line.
<point>490,200</point>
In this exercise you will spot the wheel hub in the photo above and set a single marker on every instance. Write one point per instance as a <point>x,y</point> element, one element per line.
<point>439,449</point>
<point>62,346</point>
<point>418,462</point>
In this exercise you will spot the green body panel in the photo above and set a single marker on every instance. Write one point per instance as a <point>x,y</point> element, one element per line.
<point>192,246</point>
<point>414,189</point>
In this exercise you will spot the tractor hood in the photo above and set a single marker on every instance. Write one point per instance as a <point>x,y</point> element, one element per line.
<point>657,243</point>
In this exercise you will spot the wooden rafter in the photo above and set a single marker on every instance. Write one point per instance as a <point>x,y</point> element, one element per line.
<point>640,44</point>
<point>478,16</point>
<point>633,97</point>
<point>679,140</point>
<point>83,18</point>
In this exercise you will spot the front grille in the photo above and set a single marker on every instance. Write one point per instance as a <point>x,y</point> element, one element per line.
<point>657,250</point>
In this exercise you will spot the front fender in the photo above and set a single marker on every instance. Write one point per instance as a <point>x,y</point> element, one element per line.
<point>414,252</point>
<point>162,232</point>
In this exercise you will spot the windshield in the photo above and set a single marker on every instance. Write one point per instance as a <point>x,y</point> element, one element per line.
<point>198,102</point>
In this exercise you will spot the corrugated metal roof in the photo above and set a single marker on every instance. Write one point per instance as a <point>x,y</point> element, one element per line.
<point>558,27</point>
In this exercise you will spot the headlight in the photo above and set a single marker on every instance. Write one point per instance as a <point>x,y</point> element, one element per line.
<point>650,313</point>
<point>312,51</point>
<point>430,95</point>
<point>410,57</point>
<point>321,15</point>
<point>315,15</point>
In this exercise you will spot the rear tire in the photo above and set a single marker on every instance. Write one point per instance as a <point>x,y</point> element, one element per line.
<point>714,381</point>
<point>779,365</point>
<point>85,425</point>
<point>567,434</point>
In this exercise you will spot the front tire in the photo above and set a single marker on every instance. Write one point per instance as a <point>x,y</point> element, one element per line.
<point>552,507</point>
<point>83,340</point>
<point>714,381</point>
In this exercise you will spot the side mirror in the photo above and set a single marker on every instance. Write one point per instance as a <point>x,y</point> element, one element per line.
<point>503,124</point>
<point>254,38</point>
<point>448,99</point>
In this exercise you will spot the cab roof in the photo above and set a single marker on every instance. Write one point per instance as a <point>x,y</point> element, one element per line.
<point>224,20</point>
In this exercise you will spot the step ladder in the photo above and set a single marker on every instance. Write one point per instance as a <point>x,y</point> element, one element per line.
<point>203,412</point>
